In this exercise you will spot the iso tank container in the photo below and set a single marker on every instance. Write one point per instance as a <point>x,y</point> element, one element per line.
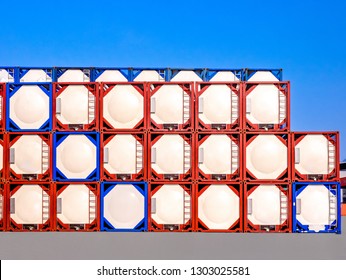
<point>34,74</point>
<point>267,157</point>
<point>266,106</point>
<point>171,106</point>
<point>110,74</point>
<point>71,74</point>
<point>123,107</point>
<point>316,207</point>
<point>170,156</point>
<point>124,206</point>
<point>219,157</point>
<point>76,156</point>
<point>171,206</point>
<point>218,106</point>
<point>75,106</point>
<point>7,74</point>
<point>30,207</point>
<point>2,106</point>
<point>315,156</point>
<point>219,207</point>
<point>29,107</point>
<point>261,75</point>
<point>77,206</point>
<point>267,207</point>
<point>2,208</point>
<point>123,156</point>
<point>185,75</point>
<point>29,156</point>
<point>222,75</point>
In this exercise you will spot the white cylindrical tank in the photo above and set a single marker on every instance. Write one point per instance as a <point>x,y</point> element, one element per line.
<point>73,75</point>
<point>36,76</point>
<point>186,76</point>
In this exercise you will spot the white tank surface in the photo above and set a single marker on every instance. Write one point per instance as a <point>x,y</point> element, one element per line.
<point>123,106</point>
<point>170,104</point>
<point>171,205</point>
<point>218,104</point>
<point>186,76</point>
<point>6,76</point>
<point>218,207</point>
<point>170,155</point>
<point>76,157</point>
<point>266,104</point>
<point>74,75</point>
<point>263,76</point>
<point>75,105</point>
<point>29,107</point>
<point>267,205</point>
<point>123,154</point>
<point>218,154</point>
<point>224,76</point>
<point>316,207</point>
<point>266,157</point>
<point>29,155</point>
<point>111,76</point>
<point>30,205</point>
<point>124,206</point>
<point>315,154</point>
<point>149,76</point>
<point>36,76</point>
<point>76,204</point>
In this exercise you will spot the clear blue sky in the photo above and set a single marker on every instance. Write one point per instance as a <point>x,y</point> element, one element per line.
<point>305,38</point>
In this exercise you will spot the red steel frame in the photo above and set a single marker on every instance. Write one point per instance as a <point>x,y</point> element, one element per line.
<point>201,187</point>
<point>334,175</point>
<point>105,88</point>
<point>58,89</point>
<point>285,125</point>
<point>188,226</point>
<point>235,176</point>
<point>237,88</point>
<point>285,176</point>
<point>3,208</point>
<point>3,172</point>
<point>106,137</point>
<point>284,227</point>
<point>187,87</point>
<point>11,188</point>
<point>11,138</point>
<point>2,106</point>
<point>59,225</point>
<point>152,175</point>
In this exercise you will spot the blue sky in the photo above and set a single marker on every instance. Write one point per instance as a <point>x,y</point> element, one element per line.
<point>305,38</point>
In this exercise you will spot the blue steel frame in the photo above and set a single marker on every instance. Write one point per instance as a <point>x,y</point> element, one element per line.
<point>172,72</point>
<point>21,71</point>
<point>141,187</point>
<point>11,71</point>
<point>97,72</point>
<point>58,138</point>
<point>11,89</point>
<point>210,73</point>
<point>59,71</point>
<point>163,72</point>
<point>297,188</point>
<point>249,72</point>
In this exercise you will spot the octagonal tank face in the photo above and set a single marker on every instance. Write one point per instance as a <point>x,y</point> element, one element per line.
<point>124,155</point>
<point>264,205</point>
<point>186,76</point>
<point>266,157</point>
<point>29,107</point>
<point>5,76</point>
<point>167,105</point>
<point>312,155</point>
<point>167,155</point>
<point>28,205</point>
<point>218,207</point>
<point>124,206</point>
<point>167,205</point>
<point>216,153</point>
<point>28,155</point>
<point>35,76</point>
<point>263,76</point>
<point>76,157</point>
<point>123,106</point>
<point>218,104</point>
<point>313,206</point>
<point>263,103</point>
<point>149,76</point>
<point>73,75</point>
<point>74,105</point>
<point>111,76</point>
<point>75,203</point>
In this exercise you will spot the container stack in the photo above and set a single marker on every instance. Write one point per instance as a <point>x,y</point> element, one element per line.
<point>160,149</point>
